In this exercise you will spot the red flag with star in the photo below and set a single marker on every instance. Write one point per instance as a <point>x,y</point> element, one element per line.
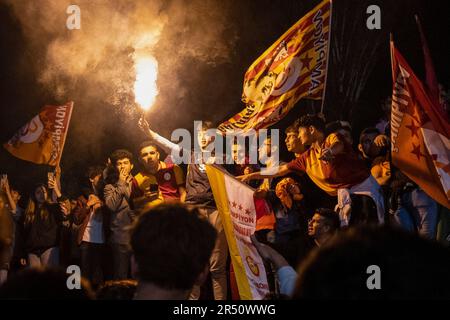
<point>420,137</point>
<point>293,68</point>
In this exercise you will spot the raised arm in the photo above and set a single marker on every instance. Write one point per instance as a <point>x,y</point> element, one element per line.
<point>286,274</point>
<point>269,173</point>
<point>5,187</point>
<point>54,185</point>
<point>165,144</point>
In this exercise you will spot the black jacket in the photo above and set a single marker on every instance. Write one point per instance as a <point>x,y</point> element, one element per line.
<point>42,234</point>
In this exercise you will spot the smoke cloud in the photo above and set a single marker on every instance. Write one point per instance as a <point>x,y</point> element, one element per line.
<point>100,54</point>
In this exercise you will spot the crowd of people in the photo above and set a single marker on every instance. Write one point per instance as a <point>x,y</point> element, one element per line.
<point>159,235</point>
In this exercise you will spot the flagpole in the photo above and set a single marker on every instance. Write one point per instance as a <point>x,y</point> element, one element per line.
<point>328,59</point>
<point>67,131</point>
<point>391,49</point>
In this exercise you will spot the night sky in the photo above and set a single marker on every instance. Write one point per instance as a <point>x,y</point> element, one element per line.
<point>204,50</point>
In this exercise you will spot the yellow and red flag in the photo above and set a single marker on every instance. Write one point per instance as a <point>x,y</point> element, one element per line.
<point>42,139</point>
<point>236,206</point>
<point>419,136</point>
<point>294,67</point>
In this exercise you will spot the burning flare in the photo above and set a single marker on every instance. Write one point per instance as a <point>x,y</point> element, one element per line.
<point>145,89</point>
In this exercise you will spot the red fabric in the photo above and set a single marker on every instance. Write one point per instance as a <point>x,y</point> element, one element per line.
<point>167,182</point>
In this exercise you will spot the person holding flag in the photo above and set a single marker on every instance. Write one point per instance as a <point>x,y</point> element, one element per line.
<point>293,68</point>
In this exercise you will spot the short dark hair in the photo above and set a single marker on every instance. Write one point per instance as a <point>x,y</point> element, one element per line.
<point>312,120</point>
<point>172,246</point>
<point>331,217</point>
<point>148,143</point>
<point>120,154</point>
<point>338,125</point>
<point>93,171</point>
<point>117,290</point>
<point>412,267</point>
<point>366,131</point>
<point>206,124</point>
<point>293,127</point>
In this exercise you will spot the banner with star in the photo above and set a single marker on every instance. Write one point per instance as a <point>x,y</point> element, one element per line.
<point>294,67</point>
<point>236,206</point>
<point>42,139</point>
<point>419,136</point>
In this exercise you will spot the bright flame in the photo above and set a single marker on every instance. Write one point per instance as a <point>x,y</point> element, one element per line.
<point>145,89</point>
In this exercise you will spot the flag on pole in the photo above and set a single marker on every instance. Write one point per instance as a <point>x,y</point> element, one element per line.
<point>42,139</point>
<point>236,207</point>
<point>419,136</point>
<point>294,67</point>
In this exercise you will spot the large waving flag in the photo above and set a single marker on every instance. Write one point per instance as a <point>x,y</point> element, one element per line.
<point>420,137</point>
<point>42,139</point>
<point>236,206</point>
<point>294,67</point>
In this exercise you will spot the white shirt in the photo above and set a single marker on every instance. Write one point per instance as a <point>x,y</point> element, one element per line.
<point>94,229</point>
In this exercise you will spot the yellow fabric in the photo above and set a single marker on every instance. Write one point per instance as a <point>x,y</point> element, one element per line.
<point>381,170</point>
<point>142,203</point>
<point>294,67</point>
<point>216,180</point>
<point>179,175</point>
<point>42,139</point>
<point>314,167</point>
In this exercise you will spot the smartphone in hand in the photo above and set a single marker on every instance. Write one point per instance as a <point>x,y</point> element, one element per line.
<point>50,179</point>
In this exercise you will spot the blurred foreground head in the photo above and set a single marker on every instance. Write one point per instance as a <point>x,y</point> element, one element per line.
<point>43,284</point>
<point>117,290</point>
<point>172,246</point>
<point>411,267</point>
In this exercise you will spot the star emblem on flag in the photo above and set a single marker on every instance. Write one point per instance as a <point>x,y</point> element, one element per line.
<point>414,129</point>
<point>416,151</point>
<point>306,61</point>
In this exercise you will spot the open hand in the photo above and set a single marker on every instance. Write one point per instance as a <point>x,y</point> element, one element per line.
<point>4,184</point>
<point>381,140</point>
<point>143,125</point>
<point>52,182</point>
<point>93,200</point>
<point>244,178</point>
